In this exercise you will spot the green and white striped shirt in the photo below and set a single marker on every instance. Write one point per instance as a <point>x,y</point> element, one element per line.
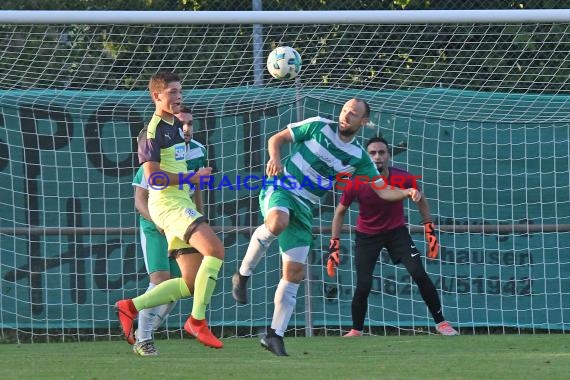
<point>195,155</point>
<point>318,155</point>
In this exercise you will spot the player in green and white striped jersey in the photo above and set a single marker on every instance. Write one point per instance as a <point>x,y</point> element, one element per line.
<point>321,150</point>
<point>159,266</point>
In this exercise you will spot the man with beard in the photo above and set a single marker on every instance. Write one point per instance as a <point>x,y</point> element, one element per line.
<point>322,151</point>
<point>379,225</point>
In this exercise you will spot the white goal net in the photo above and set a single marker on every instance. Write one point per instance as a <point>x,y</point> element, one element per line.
<point>479,109</point>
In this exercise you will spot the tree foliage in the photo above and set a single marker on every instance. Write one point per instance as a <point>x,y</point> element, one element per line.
<point>524,58</point>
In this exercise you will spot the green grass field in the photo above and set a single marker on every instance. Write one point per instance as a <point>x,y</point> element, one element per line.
<point>411,357</point>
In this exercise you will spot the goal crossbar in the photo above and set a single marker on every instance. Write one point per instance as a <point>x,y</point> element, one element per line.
<point>286,17</point>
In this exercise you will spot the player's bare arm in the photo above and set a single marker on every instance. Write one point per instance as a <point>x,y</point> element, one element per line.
<point>141,202</point>
<point>274,144</point>
<point>429,229</point>
<point>423,208</point>
<point>197,197</point>
<point>338,220</point>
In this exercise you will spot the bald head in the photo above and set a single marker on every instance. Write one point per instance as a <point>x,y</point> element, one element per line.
<point>354,115</point>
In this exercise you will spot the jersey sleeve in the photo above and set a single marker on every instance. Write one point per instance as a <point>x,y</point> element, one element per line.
<point>202,160</point>
<point>412,182</point>
<point>148,147</point>
<point>347,197</point>
<point>139,180</point>
<point>366,167</point>
<point>306,129</point>
<point>194,165</point>
<point>198,160</point>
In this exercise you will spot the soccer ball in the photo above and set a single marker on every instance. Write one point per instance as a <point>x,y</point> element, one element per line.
<point>284,63</point>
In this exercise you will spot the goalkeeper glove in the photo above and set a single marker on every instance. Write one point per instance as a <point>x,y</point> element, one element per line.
<point>433,245</point>
<point>334,257</point>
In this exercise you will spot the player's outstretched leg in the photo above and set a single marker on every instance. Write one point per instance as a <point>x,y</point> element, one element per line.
<point>167,291</point>
<point>261,239</point>
<point>127,312</point>
<point>239,288</point>
<point>274,343</point>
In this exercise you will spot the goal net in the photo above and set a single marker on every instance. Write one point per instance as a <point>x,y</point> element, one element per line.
<point>478,108</point>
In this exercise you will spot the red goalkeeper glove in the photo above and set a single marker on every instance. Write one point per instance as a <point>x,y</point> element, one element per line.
<point>334,257</point>
<point>431,239</point>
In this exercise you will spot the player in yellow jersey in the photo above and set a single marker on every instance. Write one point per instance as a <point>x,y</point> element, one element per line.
<point>191,241</point>
<point>160,267</point>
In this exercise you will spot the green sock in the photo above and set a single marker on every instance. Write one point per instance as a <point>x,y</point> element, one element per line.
<point>165,292</point>
<point>204,286</point>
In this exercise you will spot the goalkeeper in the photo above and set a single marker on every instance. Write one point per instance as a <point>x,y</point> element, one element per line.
<point>381,224</point>
<point>159,266</point>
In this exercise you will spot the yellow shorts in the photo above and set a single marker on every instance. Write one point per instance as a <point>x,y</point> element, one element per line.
<point>177,218</point>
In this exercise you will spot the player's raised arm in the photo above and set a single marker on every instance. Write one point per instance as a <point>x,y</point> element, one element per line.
<point>274,144</point>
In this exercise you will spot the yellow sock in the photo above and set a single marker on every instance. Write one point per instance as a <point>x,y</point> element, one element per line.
<point>165,292</point>
<point>204,286</point>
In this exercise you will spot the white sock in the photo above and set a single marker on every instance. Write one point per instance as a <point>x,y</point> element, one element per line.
<point>146,318</point>
<point>260,241</point>
<point>285,300</point>
<point>162,312</point>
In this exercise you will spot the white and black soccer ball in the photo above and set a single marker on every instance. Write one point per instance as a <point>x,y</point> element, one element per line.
<point>284,63</point>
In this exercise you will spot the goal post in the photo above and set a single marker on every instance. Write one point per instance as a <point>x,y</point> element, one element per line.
<point>477,103</point>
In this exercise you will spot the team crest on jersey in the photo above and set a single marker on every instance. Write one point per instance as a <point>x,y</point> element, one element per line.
<point>190,212</point>
<point>179,152</point>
